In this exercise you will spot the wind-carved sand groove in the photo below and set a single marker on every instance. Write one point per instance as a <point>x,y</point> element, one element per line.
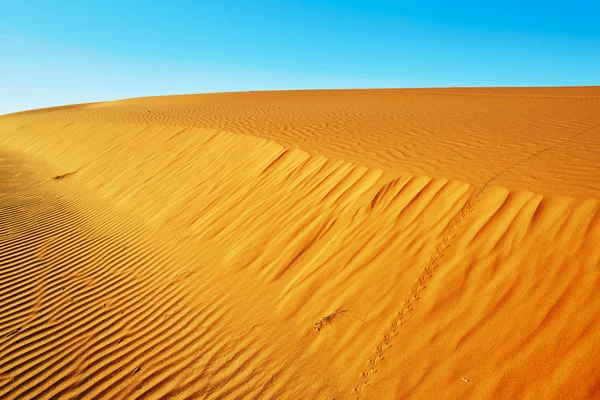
<point>203,236</point>
<point>427,273</point>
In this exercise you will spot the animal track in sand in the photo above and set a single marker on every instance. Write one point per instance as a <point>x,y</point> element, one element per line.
<point>427,273</point>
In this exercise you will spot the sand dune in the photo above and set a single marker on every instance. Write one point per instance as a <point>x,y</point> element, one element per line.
<point>351,244</point>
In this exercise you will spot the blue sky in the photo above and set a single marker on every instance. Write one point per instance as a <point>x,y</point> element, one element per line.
<point>64,52</point>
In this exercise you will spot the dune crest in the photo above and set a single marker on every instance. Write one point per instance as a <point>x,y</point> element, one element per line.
<point>349,244</point>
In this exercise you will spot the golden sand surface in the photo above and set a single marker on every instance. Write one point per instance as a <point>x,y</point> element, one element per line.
<point>330,244</point>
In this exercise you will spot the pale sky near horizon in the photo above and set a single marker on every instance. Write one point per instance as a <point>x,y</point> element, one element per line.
<point>67,52</point>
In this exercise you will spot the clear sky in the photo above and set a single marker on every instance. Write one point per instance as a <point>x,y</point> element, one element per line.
<point>64,52</point>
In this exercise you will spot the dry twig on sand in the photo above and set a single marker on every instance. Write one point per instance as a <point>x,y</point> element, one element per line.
<point>328,318</point>
<point>63,176</point>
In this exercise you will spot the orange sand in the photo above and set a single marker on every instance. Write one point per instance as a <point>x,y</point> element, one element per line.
<point>347,244</point>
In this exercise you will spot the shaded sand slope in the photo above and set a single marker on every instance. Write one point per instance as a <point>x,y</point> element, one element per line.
<point>92,306</point>
<point>207,258</point>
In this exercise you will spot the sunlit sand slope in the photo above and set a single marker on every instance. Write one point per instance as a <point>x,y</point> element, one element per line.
<point>147,254</point>
<point>464,134</point>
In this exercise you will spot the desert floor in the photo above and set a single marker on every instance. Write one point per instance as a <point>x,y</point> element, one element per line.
<point>342,244</point>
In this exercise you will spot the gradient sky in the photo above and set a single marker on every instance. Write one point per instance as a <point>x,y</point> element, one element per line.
<point>64,52</point>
